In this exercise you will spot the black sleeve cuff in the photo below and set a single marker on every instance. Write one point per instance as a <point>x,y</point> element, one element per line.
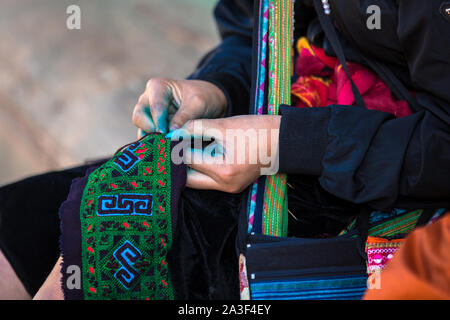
<point>236,93</point>
<point>303,139</point>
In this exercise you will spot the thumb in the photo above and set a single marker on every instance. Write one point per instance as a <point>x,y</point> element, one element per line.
<point>159,99</point>
<point>180,118</point>
<point>197,129</point>
<point>199,180</point>
<point>205,129</point>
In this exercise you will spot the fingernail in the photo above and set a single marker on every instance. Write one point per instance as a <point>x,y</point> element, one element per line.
<point>169,135</point>
<point>162,122</point>
<point>174,127</point>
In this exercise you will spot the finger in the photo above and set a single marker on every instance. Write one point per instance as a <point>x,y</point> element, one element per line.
<point>200,130</point>
<point>140,133</point>
<point>180,118</point>
<point>198,180</point>
<point>204,162</point>
<point>207,129</point>
<point>204,159</point>
<point>142,118</point>
<point>159,98</point>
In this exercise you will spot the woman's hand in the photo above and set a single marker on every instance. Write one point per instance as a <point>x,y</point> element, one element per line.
<point>168,104</point>
<point>242,149</point>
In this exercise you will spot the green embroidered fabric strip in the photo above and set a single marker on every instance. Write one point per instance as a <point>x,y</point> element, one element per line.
<point>126,224</point>
<point>395,223</point>
<point>275,212</point>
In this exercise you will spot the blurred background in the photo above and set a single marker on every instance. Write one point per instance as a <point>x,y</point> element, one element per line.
<point>66,96</point>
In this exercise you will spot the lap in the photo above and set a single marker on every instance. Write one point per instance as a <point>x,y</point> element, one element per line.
<point>203,250</point>
<point>29,228</point>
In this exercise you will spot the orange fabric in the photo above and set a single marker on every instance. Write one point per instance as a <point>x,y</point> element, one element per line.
<point>420,269</point>
<point>375,240</point>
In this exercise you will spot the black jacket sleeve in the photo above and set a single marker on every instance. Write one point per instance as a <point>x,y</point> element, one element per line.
<point>367,156</point>
<point>229,65</point>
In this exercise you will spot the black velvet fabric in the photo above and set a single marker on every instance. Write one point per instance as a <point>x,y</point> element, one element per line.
<point>203,258</point>
<point>315,213</point>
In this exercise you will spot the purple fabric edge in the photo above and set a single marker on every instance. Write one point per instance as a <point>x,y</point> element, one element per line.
<point>70,239</point>
<point>178,176</point>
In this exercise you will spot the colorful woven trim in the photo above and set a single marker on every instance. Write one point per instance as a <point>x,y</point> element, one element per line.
<point>348,287</point>
<point>379,252</point>
<point>263,30</point>
<point>390,224</point>
<point>254,215</point>
<point>126,225</point>
<point>401,225</point>
<point>275,213</point>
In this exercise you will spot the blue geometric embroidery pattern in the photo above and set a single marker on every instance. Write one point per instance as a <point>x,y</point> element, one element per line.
<point>128,158</point>
<point>127,255</point>
<point>125,204</point>
<point>134,206</point>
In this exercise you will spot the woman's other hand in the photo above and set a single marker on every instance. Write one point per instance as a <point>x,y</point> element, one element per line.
<point>240,149</point>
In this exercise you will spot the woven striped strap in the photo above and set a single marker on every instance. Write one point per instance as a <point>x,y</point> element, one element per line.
<point>280,67</point>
